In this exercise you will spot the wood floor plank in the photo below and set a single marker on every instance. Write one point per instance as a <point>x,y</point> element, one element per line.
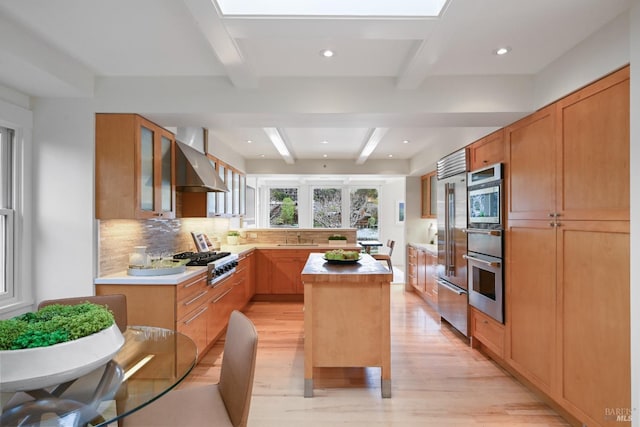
<point>438,380</point>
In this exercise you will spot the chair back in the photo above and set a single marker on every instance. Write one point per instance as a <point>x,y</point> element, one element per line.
<point>238,366</point>
<point>116,303</point>
<point>391,244</point>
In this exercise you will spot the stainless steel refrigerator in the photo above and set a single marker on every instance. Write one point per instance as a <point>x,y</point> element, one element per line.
<point>452,240</point>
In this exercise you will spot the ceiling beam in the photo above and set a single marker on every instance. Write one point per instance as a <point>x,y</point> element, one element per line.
<point>277,139</point>
<point>416,66</point>
<point>209,19</point>
<point>374,138</point>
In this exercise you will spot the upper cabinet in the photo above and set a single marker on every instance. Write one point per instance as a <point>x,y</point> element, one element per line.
<point>135,171</point>
<point>429,195</point>
<point>570,160</point>
<point>487,151</point>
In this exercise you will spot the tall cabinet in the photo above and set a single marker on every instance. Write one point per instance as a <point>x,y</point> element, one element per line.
<point>567,312</point>
<point>135,170</point>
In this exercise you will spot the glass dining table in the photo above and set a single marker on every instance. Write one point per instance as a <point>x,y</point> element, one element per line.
<point>151,362</point>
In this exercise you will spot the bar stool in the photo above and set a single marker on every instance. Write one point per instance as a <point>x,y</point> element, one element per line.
<point>386,257</point>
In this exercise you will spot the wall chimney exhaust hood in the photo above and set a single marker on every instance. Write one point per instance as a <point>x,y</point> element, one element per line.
<point>194,171</point>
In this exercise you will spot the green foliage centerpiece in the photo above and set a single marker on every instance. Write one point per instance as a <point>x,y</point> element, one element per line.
<point>337,240</point>
<point>53,324</point>
<point>55,344</point>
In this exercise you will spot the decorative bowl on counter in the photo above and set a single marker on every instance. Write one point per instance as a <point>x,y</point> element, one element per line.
<point>340,256</point>
<point>40,367</point>
<point>163,268</point>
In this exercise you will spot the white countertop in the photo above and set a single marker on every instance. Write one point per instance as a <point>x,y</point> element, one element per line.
<point>123,278</point>
<point>425,246</point>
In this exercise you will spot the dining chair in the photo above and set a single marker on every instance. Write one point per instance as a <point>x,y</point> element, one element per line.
<point>386,257</point>
<point>223,404</point>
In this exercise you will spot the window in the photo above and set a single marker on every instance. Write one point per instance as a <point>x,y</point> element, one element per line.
<point>363,215</point>
<point>6,213</point>
<point>283,207</point>
<point>327,207</point>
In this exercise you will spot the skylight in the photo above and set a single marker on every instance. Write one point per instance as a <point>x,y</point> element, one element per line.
<point>358,8</point>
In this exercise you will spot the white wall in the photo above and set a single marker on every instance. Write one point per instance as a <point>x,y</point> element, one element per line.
<point>390,193</point>
<point>65,246</point>
<point>634,20</point>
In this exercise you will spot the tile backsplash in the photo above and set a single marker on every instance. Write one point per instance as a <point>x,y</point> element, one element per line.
<point>118,237</point>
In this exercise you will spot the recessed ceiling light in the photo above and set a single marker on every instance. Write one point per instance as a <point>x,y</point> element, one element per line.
<point>261,155</point>
<point>390,155</point>
<point>249,141</point>
<point>325,156</point>
<point>502,51</point>
<point>406,141</point>
<point>327,53</point>
<point>324,142</point>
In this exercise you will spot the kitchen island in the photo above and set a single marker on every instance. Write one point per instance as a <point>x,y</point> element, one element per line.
<point>346,317</point>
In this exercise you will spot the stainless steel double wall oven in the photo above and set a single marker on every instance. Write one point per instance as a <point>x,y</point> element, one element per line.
<point>485,241</point>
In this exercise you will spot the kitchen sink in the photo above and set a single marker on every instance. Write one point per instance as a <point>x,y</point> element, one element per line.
<point>297,244</point>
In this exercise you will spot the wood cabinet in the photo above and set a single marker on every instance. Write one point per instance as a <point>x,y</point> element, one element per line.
<point>191,307</point>
<point>486,332</point>
<point>429,187</point>
<point>279,271</point>
<point>567,313</point>
<point>487,151</point>
<point>245,275</point>
<point>135,168</point>
<point>422,274</point>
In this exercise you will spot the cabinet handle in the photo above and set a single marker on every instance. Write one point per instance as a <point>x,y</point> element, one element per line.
<point>191,301</point>
<point>190,284</point>
<point>186,322</point>
<point>221,296</point>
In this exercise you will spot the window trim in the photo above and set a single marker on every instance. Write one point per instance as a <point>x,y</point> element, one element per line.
<point>20,120</point>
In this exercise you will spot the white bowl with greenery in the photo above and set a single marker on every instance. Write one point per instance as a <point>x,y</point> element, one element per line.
<point>37,367</point>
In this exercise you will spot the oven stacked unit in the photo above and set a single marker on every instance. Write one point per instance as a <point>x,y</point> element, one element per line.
<point>485,241</point>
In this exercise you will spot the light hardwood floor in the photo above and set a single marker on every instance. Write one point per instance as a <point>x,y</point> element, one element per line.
<point>437,379</point>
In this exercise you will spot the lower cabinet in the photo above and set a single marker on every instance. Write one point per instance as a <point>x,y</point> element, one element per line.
<point>486,332</point>
<point>422,274</point>
<point>278,273</point>
<point>190,307</point>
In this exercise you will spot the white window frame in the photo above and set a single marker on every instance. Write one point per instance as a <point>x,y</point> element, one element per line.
<point>19,298</point>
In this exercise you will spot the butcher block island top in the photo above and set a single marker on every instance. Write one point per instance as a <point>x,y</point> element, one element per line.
<point>346,317</point>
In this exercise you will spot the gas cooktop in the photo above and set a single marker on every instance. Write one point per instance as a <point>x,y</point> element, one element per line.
<point>201,258</point>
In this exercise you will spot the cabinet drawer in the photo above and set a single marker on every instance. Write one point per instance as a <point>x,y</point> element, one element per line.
<point>191,287</point>
<point>194,325</point>
<point>193,301</point>
<point>488,331</point>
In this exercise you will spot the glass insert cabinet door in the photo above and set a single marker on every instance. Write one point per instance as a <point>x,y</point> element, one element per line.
<point>156,173</point>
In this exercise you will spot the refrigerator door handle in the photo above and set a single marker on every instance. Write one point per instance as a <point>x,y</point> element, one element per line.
<point>451,212</point>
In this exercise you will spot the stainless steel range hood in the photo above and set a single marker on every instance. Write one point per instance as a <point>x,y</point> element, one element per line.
<point>194,171</point>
